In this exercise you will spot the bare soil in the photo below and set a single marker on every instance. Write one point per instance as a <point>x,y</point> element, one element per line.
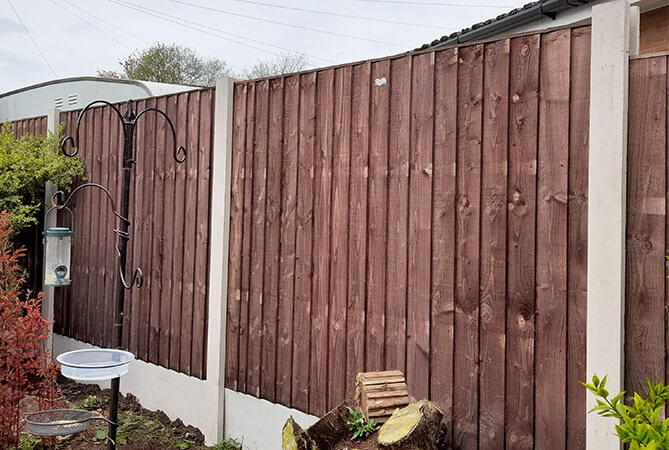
<point>140,428</point>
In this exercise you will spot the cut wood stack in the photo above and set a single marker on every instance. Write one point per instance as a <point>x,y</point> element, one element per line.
<point>378,394</point>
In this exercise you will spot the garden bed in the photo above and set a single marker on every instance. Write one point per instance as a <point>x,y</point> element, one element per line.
<point>140,429</point>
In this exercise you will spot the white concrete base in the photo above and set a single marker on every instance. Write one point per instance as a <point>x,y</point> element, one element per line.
<point>257,423</point>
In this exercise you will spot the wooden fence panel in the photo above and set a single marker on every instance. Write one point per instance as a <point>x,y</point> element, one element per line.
<point>429,203</point>
<point>165,319</point>
<point>645,316</point>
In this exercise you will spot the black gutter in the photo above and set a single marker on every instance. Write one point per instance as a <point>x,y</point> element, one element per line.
<point>508,21</point>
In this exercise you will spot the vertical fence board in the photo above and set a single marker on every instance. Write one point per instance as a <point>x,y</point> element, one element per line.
<point>178,244</point>
<point>420,216</point>
<point>377,220</point>
<point>341,149</point>
<point>206,120</point>
<point>236,236</point>
<point>646,227</point>
<point>398,198</point>
<point>167,280</point>
<point>303,244</point>
<point>158,233</point>
<point>467,232</point>
<point>147,154</point>
<point>258,242</point>
<point>578,236</point>
<point>551,249</point>
<point>357,242</point>
<point>320,294</point>
<point>521,198</point>
<point>248,238</point>
<point>289,169</point>
<point>272,249</point>
<point>494,166</point>
<point>443,231</point>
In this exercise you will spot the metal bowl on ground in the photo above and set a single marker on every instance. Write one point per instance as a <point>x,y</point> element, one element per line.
<point>59,422</point>
<point>94,364</point>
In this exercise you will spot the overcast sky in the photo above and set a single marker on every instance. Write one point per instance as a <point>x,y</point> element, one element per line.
<point>111,29</point>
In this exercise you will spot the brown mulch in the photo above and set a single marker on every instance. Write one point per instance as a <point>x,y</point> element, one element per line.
<point>370,443</point>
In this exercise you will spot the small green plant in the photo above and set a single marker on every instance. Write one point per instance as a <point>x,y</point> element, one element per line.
<point>358,425</point>
<point>92,401</point>
<point>30,442</point>
<point>640,425</point>
<point>228,444</point>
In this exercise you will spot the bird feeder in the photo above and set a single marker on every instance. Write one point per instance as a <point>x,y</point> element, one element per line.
<point>57,249</point>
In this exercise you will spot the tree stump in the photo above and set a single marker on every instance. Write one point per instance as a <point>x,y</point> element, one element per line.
<point>293,437</point>
<point>331,428</point>
<point>378,394</point>
<point>417,426</point>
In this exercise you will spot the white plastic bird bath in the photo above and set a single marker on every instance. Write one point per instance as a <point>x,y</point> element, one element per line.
<point>94,364</point>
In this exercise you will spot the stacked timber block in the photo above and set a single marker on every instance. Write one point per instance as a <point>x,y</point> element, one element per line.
<point>378,394</point>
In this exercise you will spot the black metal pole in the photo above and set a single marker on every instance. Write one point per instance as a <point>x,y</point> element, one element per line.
<point>129,127</point>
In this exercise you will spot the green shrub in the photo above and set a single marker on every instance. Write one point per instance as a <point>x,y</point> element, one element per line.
<point>228,444</point>
<point>357,424</point>
<point>640,425</point>
<point>26,164</point>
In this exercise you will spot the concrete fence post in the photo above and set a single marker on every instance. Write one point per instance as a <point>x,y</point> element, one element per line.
<point>614,34</point>
<point>219,232</point>
<point>52,122</point>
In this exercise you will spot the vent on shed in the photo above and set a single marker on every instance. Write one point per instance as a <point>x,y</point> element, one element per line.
<point>72,99</point>
<point>57,103</point>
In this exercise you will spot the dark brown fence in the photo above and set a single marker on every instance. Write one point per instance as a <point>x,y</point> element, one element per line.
<point>424,212</point>
<point>165,320</point>
<point>647,229</point>
<point>34,125</point>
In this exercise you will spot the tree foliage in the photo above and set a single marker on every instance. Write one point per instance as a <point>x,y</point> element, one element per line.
<point>283,63</point>
<point>26,164</point>
<point>170,63</point>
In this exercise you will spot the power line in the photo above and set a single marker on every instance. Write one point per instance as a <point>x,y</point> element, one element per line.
<point>454,5</point>
<point>32,39</point>
<point>192,25</point>
<point>347,16</point>
<point>300,27</point>
<point>108,23</point>
<point>92,25</point>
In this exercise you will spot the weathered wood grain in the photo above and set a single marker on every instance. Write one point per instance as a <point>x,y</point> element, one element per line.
<point>420,218</point>
<point>398,200</point>
<point>357,241</point>
<point>289,167</point>
<point>272,249</point>
<point>467,234</point>
<point>646,224</point>
<point>303,244</point>
<point>521,206</point>
<point>377,219</point>
<point>236,237</point>
<point>577,236</point>
<point>551,245</point>
<point>443,232</point>
<point>341,156</point>
<point>494,170</point>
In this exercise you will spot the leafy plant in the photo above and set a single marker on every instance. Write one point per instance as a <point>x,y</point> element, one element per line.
<point>26,164</point>
<point>25,365</point>
<point>358,425</point>
<point>228,444</point>
<point>640,425</point>
<point>92,401</point>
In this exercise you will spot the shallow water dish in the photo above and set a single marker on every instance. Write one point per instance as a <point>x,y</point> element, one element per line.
<point>59,422</point>
<point>94,364</point>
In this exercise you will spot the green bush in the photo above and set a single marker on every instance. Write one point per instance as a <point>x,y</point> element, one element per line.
<point>358,425</point>
<point>640,425</point>
<point>26,164</point>
<point>228,444</point>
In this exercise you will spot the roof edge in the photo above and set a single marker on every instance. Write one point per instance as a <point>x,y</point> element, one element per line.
<point>137,83</point>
